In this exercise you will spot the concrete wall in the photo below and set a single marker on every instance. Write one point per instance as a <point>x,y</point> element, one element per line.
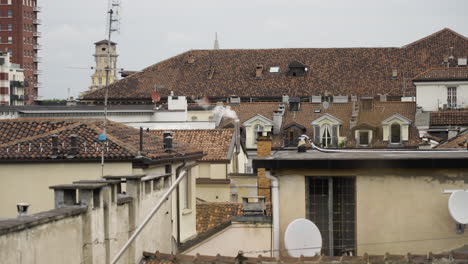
<point>29,182</point>
<point>430,96</point>
<point>44,244</point>
<point>397,206</point>
<point>236,237</point>
<point>245,186</point>
<point>97,233</point>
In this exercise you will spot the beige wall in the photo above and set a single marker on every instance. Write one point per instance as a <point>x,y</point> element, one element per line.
<point>245,186</point>
<point>29,182</point>
<point>238,236</point>
<point>214,192</point>
<point>392,205</point>
<point>200,115</point>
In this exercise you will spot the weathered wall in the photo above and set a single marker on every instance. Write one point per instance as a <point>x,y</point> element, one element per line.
<point>29,182</point>
<point>245,185</point>
<point>214,192</point>
<point>245,237</point>
<point>392,206</point>
<point>45,244</point>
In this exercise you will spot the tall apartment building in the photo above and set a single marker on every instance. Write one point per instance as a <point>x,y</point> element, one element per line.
<point>19,36</point>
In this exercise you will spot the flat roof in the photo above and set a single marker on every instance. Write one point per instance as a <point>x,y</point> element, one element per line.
<point>354,159</point>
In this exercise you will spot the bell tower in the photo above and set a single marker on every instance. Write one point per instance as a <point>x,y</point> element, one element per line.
<point>103,53</point>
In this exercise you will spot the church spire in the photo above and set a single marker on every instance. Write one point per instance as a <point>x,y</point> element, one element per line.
<point>216,43</point>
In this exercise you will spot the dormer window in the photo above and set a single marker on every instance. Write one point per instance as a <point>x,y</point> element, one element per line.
<point>395,130</point>
<point>297,69</point>
<point>326,137</point>
<point>452,97</point>
<point>294,103</point>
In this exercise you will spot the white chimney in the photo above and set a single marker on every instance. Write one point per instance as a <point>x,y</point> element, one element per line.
<point>277,121</point>
<point>462,61</point>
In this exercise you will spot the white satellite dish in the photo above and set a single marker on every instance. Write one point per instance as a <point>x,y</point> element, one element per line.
<point>458,206</point>
<point>302,237</point>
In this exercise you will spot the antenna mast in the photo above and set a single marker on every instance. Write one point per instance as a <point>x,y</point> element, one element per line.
<point>113,25</point>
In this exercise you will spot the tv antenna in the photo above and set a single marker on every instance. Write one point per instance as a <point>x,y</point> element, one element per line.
<point>113,25</point>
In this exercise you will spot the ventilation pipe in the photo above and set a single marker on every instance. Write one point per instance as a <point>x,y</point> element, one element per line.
<point>54,146</point>
<point>73,145</point>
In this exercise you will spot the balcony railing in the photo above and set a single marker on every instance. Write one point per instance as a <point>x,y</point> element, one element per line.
<point>37,59</point>
<point>37,34</point>
<point>37,72</point>
<point>37,85</point>
<point>36,21</point>
<point>37,47</point>
<point>37,8</point>
<point>17,84</point>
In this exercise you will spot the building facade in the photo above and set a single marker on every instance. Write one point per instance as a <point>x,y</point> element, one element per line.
<point>19,36</point>
<point>12,85</point>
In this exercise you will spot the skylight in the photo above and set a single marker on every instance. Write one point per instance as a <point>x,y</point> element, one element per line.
<point>274,69</point>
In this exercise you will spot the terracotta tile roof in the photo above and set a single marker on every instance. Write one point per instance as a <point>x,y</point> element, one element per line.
<point>162,258</point>
<point>30,139</point>
<point>443,74</point>
<point>104,41</point>
<point>213,214</point>
<point>458,142</point>
<point>338,71</point>
<point>245,111</point>
<point>447,118</point>
<point>215,143</point>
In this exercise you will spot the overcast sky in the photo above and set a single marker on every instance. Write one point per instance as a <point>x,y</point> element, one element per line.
<point>153,30</point>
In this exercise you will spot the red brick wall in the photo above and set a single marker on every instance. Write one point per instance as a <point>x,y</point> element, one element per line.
<point>263,183</point>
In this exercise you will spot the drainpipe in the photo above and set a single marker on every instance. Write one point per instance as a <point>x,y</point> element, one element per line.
<point>237,135</point>
<point>275,213</point>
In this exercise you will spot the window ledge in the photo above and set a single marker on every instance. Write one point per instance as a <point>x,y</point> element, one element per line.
<point>186,211</point>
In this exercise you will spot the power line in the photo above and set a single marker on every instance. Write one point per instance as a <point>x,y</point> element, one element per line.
<point>363,244</point>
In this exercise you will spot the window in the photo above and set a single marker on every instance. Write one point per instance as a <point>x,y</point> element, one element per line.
<point>10,40</point>
<point>10,51</point>
<point>258,130</point>
<point>186,192</point>
<point>452,97</point>
<point>10,13</point>
<point>395,136</point>
<point>326,135</point>
<point>10,27</point>
<point>332,206</point>
<point>364,138</point>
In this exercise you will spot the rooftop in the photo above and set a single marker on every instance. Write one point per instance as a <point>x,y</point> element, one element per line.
<point>222,73</point>
<point>443,74</point>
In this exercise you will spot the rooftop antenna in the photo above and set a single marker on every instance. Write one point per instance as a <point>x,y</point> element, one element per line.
<point>216,43</point>
<point>113,25</point>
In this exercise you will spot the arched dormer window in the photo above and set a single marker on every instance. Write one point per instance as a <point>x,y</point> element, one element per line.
<point>395,130</point>
<point>258,130</point>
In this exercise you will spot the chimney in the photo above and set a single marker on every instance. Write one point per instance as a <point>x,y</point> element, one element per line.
<point>277,121</point>
<point>263,183</point>
<point>191,59</point>
<point>253,206</point>
<point>285,99</point>
<point>383,97</point>
<point>394,74</point>
<point>54,146</point>
<point>237,135</point>
<point>73,145</point>
<point>22,209</point>
<point>167,140</point>
<point>462,62</point>
<point>259,71</point>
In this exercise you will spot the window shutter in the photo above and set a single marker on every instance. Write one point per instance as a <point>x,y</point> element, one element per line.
<point>335,136</point>
<point>317,135</point>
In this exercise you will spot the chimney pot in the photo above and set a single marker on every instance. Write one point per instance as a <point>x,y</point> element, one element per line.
<point>22,209</point>
<point>191,59</point>
<point>167,140</point>
<point>259,71</point>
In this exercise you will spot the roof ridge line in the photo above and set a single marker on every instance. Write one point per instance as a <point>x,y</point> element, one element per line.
<point>114,139</point>
<point>434,34</point>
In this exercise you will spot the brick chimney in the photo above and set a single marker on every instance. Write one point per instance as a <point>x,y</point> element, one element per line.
<point>263,183</point>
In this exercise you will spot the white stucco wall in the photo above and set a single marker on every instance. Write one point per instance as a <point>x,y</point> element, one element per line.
<point>29,182</point>
<point>236,237</point>
<point>431,95</point>
<point>249,133</point>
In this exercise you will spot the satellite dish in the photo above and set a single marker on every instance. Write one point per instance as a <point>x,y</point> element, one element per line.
<point>458,206</point>
<point>325,105</point>
<point>302,237</point>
